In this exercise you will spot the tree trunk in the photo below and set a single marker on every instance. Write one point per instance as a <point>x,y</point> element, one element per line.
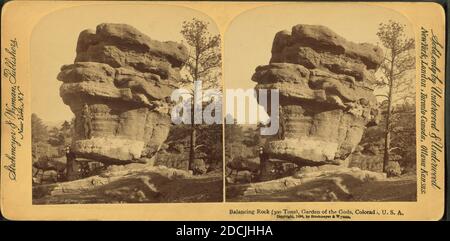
<point>192,147</point>
<point>387,137</point>
<point>72,168</point>
<point>387,146</point>
<point>264,167</point>
<point>193,138</point>
<point>193,131</point>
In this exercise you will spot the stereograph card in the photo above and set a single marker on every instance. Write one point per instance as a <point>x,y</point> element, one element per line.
<point>131,110</point>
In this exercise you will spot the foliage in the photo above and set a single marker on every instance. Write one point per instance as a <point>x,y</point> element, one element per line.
<point>39,130</point>
<point>208,147</point>
<point>209,143</point>
<point>49,143</point>
<point>403,141</point>
<point>398,59</point>
<point>204,56</point>
<point>241,142</point>
<point>39,137</point>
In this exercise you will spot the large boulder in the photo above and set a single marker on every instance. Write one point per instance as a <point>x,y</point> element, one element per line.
<point>124,78</point>
<point>323,40</point>
<point>326,93</point>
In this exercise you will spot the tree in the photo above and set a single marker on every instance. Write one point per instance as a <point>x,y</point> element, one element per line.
<point>55,137</point>
<point>234,135</point>
<point>398,60</point>
<point>61,137</point>
<point>66,127</point>
<point>203,65</point>
<point>210,144</point>
<point>39,130</point>
<point>39,138</point>
<point>403,137</point>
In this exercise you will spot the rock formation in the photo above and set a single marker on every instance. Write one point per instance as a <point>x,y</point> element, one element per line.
<point>326,93</point>
<point>123,78</point>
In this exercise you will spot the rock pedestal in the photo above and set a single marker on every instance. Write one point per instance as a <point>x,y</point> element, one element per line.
<point>326,93</point>
<point>124,78</point>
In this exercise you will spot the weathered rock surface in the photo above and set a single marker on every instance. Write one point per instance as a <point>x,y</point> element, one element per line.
<point>327,183</point>
<point>326,93</point>
<point>124,78</point>
<point>323,40</point>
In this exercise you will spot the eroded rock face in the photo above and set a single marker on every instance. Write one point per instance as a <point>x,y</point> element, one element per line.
<point>124,78</point>
<point>326,93</point>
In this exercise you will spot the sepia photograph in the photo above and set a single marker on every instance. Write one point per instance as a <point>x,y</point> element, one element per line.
<point>101,126</point>
<point>345,108</point>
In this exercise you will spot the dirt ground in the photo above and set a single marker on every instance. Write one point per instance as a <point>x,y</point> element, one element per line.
<point>138,185</point>
<point>345,186</point>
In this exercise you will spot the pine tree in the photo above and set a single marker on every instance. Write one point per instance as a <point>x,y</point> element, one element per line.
<point>203,65</point>
<point>398,61</point>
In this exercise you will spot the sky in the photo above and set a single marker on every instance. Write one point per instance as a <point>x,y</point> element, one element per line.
<point>247,40</point>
